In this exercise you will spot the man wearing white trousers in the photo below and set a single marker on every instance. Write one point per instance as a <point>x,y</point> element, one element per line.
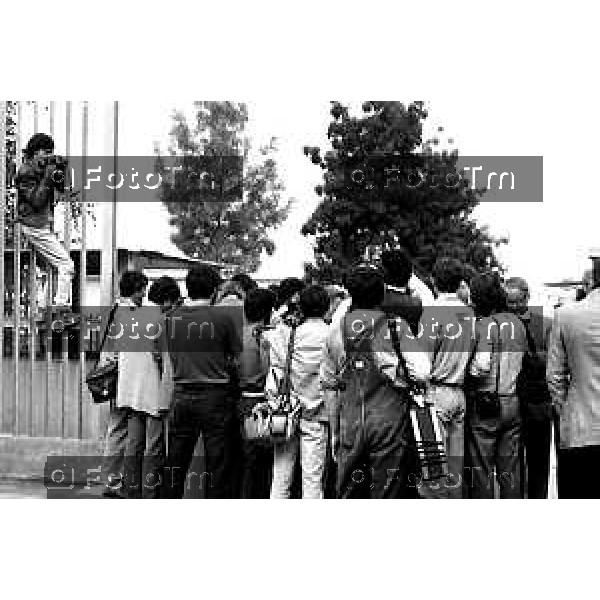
<point>311,439</point>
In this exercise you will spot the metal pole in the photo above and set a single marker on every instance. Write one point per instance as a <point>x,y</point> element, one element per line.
<point>17,273</point>
<point>67,243</point>
<point>3,185</point>
<point>82,268</point>
<point>48,325</point>
<point>32,334</point>
<point>32,309</point>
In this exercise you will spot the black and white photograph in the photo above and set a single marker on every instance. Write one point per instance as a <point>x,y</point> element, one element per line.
<point>286,296</point>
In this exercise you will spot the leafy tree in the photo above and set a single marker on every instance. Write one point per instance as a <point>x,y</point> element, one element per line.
<point>373,196</point>
<point>228,216</point>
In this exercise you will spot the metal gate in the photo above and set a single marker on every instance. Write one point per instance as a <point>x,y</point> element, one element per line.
<point>42,393</point>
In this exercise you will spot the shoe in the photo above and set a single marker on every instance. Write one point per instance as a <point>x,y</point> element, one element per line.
<point>109,493</point>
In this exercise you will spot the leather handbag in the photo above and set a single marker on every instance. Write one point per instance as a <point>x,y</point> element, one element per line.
<point>102,381</point>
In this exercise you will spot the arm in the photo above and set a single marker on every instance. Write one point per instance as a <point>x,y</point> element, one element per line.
<point>277,356</point>
<point>421,290</point>
<point>482,360</point>
<point>328,376</point>
<point>557,369</point>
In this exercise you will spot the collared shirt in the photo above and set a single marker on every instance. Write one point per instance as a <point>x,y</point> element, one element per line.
<point>306,362</point>
<point>418,364</point>
<point>448,324</point>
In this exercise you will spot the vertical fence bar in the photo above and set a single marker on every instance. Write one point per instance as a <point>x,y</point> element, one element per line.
<point>17,273</point>
<point>48,330</point>
<point>82,267</point>
<point>32,334</point>
<point>67,242</point>
<point>48,324</point>
<point>115,250</point>
<point>3,185</point>
<point>31,338</point>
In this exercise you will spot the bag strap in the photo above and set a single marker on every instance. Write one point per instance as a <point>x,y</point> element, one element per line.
<point>392,326</point>
<point>111,316</point>
<point>530,340</point>
<point>286,382</point>
<point>499,355</point>
<point>356,343</point>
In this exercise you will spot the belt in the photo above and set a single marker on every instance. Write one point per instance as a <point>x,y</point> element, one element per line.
<point>253,394</point>
<point>448,385</point>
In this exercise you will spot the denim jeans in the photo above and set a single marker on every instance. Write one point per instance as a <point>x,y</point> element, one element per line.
<point>494,449</point>
<point>311,443</point>
<point>377,455</point>
<point>144,474</point>
<point>114,451</point>
<point>209,410</point>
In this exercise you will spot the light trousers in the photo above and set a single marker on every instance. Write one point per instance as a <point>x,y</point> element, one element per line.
<point>311,442</point>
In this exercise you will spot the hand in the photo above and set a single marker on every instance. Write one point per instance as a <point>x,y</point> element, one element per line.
<point>261,409</point>
<point>335,446</point>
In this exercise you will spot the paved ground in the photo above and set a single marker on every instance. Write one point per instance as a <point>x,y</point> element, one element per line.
<point>31,489</point>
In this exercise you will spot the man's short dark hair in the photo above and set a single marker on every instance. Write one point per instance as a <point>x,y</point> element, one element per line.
<point>202,281</point>
<point>245,281</point>
<point>366,287</point>
<point>39,141</point>
<point>314,302</point>
<point>288,287</point>
<point>487,295</point>
<point>397,266</point>
<point>448,273</point>
<point>258,305</point>
<point>164,289</point>
<point>132,282</point>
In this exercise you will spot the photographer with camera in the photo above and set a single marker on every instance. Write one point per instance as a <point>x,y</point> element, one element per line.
<point>300,346</point>
<point>40,175</point>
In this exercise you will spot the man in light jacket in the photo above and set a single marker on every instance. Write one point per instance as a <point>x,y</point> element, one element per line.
<point>573,376</point>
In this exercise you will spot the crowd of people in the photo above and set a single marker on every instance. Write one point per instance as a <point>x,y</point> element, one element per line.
<point>496,398</point>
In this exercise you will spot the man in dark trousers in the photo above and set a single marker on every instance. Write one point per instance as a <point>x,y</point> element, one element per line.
<point>573,376</point>
<point>373,440</point>
<point>204,343</point>
<point>537,416</point>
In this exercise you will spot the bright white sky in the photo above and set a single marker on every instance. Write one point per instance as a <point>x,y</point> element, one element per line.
<point>548,241</point>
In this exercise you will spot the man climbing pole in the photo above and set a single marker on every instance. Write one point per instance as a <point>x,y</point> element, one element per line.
<point>39,176</point>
